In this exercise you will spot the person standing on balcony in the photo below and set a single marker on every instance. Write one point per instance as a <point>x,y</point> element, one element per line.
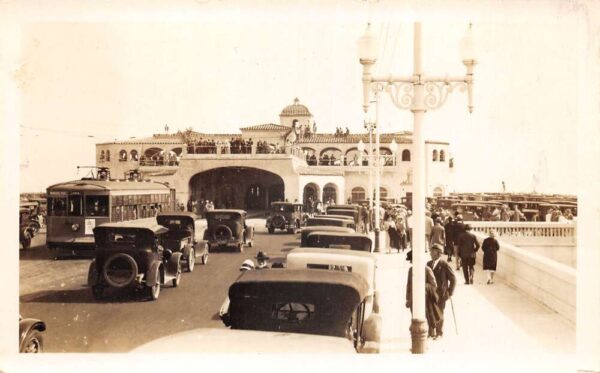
<point>490,247</point>
<point>467,248</point>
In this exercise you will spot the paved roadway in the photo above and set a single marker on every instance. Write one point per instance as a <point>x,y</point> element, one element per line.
<point>56,292</point>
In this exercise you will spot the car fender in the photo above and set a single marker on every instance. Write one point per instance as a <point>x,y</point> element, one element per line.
<point>172,263</point>
<point>151,279</point>
<point>186,250</point>
<point>93,274</point>
<point>249,233</point>
<point>26,325</point>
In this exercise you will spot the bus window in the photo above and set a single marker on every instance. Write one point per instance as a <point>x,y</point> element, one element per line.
<point>57,206</point>
<point>75,205</point>
<point>96,205</point>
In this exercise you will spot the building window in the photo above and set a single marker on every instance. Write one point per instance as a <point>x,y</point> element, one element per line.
<point>123,155</point>
<point>134,155</point>
<point>108,155</point>
<point>442,156</point>
<point>382,193</point>
<point>358,194</point>
<point>406,155</point>
<point>102,156</point>
<point>435,155</point>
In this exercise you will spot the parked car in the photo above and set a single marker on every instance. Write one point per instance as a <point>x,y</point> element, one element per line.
<point>330,303</point>
<point>333,221</point>
<point>31,339</point>
<point>26,231</point>
<point>33,209</point>
<point>362,263</point>
<point>208,340</point>
<point>353,211</point>
<point>340,240</point>
<point>228,228</point>
<point>285,216</point>
<point>131,254</point>
<point>184,236</point>
<point>341,227</point>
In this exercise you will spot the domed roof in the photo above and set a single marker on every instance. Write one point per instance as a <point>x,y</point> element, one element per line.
<point>296,109</point>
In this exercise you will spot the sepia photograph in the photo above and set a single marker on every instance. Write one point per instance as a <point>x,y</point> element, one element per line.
<point>300,185</point>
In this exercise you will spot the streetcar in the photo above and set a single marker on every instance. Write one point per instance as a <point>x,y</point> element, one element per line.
<point>76,207</point>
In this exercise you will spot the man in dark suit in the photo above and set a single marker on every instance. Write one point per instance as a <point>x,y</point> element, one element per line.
<point>446,282</point>
<point>467,247</point>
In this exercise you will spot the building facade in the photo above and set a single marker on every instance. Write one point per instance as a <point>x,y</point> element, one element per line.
<point>268,162</point>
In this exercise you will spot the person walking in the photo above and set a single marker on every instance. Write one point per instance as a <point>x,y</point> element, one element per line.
<point>446,282</point>
<point>428,229</point>
<point>438,233</point>
<point>459,229</point>
<point>450,228</point>
<point>467,247</point>
<point>490,247</point>
<point>433,313</point>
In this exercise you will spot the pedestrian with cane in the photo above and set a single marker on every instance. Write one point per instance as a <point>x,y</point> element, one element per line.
<point>446,282</point>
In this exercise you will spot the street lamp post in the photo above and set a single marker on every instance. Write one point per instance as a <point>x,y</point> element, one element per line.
<point>418,94</point>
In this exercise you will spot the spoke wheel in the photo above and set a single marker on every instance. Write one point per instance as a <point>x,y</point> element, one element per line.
<point>34,342</point>
<point>191,261</point>
<point>177,278</point>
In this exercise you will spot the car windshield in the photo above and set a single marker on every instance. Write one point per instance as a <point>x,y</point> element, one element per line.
<point>119,237</point>
<point>223,216</point>
<point>282,208</point>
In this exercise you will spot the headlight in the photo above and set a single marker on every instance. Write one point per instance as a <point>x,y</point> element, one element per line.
<point>74,227</point>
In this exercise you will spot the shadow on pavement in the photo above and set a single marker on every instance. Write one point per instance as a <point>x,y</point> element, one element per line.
<point>84,295</point>
<point>39,252</point>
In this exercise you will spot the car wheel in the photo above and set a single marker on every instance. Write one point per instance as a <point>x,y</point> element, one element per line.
<point>154,290</point>
<point>26,240</point>
<point>177,278</point>
<point>205,258</point>
<point>271,230</point>
<point>191,261</point>
<point>34,342</point>
<point>241,247</point>
<point>98,291</point>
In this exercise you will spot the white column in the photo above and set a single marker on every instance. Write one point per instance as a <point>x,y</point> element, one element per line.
<point>418,203</point>
<point>377,163</point>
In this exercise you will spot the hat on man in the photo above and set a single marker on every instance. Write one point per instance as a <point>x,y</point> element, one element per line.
<point>459,217</point>
<point>262,256</point>
<point>468,227</point>
<point>247,265</point>
<point>437,246</point>
<point>438,219</point>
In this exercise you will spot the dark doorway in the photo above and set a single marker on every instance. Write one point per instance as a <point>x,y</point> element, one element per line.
<point>238,187</point>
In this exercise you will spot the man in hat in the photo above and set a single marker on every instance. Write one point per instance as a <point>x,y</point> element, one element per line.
<point>446,282</point>
<point>262,260</point>
<point>467,247</point>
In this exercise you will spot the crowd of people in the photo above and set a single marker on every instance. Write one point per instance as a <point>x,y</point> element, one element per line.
<point>200,207</point>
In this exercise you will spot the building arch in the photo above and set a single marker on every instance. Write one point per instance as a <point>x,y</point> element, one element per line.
<point>153,153</point>
<point>236,187</point>
<point>435,155</point>
<point>406,155</point>
<point>310,193</point>
<point>357,194</point>
<point>353,156</point>
<point>330,156</point>
<point>177,151</point>
<point>310,156</point>
<point>122,155</point>
<point>134,156</point>
<point>330,193</point>
<point>442,156</point>
<point>102,156</point>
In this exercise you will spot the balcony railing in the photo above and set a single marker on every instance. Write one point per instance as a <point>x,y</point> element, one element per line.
<point>387,160</point>
<point>530,233</point>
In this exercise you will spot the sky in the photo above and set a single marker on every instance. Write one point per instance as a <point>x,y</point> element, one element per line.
<point>217,66</point>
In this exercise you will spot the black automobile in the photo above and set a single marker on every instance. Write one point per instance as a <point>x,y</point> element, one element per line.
<point>131,255</point>
<point>286,216</point>
<point>183,236</point>
<point>31,339</point>
<point>228,228</point>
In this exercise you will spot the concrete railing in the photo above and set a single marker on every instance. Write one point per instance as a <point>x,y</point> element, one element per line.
<point>530,233</point>
<point>548,281</point>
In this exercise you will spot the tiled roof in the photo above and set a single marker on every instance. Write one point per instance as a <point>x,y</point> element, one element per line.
<point>354,138</point>
<point>266,127</point>
<point>295,109</point>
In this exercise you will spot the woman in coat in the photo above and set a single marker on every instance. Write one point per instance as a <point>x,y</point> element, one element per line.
<point>433,313</point>
<point>490,249</point>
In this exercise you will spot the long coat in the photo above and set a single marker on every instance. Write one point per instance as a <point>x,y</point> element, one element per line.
<point>433,313</point>
<point>490,249</point>
<point>445,278</point>
<point>467,247</point>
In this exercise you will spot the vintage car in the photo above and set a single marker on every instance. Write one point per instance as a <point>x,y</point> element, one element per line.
<point>286,216</point>
<point>330,303</point>
<point>343,227</point>
<point>33,209</point>
<point>31,339</point>
<point>339,240</point>
<point>130,254</point>
<point>329,220</point>
<point>353,211</point>
<point>212,340</point>
<point>184,236</point>
<point>228,228</point>
<point>362,263</point>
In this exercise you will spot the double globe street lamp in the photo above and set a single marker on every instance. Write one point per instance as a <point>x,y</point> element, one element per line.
<point>417,93</point>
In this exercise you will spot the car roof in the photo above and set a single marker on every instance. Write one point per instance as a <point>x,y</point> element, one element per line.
<point>180,213</point>
<point>320,250</point>
<point>147,224</point>
<point>333,216</point>
<point>236,211</point>
<point>331,228</point>
<point>213,340</point>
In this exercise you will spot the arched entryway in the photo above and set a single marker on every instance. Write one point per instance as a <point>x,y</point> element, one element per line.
<point>309,195</point>
<point>237,187</point>
<point>330,193</point>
